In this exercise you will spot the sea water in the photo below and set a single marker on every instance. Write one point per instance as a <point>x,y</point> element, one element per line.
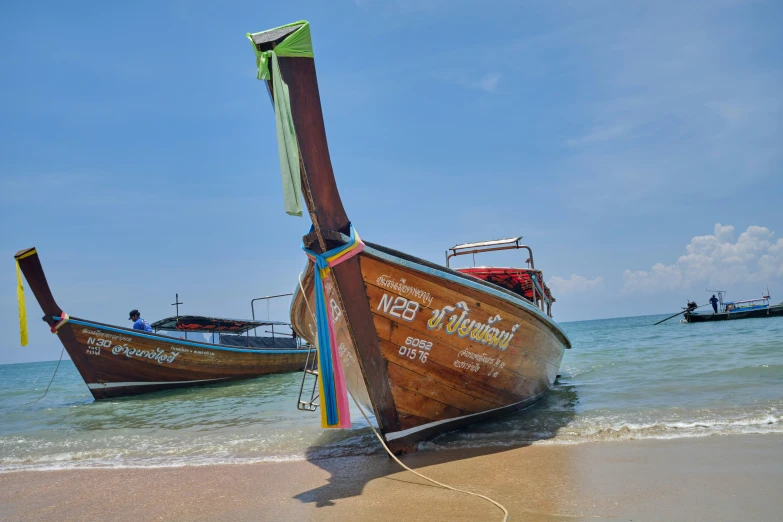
<point>624,379</point>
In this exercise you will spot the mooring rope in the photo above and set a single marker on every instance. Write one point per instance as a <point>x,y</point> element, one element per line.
<point>305,296</point>
<point>51,381</point>
<point>392,455</point>
<point>498,504</point>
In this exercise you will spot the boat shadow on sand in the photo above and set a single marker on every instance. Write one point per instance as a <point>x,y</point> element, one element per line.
<point>358,459</point>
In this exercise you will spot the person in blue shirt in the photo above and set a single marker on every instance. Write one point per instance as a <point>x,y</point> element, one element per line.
<point>138,322</point>
<point>713,301</point>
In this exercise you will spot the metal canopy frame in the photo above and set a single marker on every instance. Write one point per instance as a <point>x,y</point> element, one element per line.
<point>267,299</point>
<point>511,243</point>
<point>720,293</point>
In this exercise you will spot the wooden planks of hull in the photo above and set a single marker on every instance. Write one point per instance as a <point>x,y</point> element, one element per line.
<point>439,389</point>
<point>505,374</point>
<point>457,366</point>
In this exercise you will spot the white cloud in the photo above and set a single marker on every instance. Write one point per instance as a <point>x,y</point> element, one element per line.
<point>600,135</point>
<point>574,284</point>
<point>715,259</point>
<point>660,277</point>
<point>489,82</point>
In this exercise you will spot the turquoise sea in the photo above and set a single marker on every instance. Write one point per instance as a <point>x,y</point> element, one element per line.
<point>624,379</point>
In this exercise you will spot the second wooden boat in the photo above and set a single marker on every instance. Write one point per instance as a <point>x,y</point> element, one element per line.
<point>116,361</point>
<point>424,348</point>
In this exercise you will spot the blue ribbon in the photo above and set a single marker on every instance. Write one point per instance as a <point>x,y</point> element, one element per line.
<point>325,362</point>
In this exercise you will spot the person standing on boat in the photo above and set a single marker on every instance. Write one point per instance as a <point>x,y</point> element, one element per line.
<point>138,322</point>
<point>714,301</point>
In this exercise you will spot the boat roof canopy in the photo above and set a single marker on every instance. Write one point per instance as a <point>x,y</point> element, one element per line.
<point>199,323</point>
<point>494,242</point>
<point>765,298</point>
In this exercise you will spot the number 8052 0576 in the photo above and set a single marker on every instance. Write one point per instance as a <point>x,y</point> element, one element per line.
<point>415,347</point>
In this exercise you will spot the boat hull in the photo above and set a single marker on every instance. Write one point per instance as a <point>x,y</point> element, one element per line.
<point>772,311</point>
<point>116,362</point>
<point>454,349</point>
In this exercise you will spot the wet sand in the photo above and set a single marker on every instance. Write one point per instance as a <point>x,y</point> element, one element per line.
<point>711,478</point>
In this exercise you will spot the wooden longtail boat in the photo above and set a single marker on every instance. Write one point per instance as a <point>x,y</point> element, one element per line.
<point>424,348</point>
<point>735,310</point>
<point>116,361</point>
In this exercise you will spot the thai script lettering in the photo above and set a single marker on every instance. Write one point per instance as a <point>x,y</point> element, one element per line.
<point>114,337</point>
<point>482,358</point>
<point>467,366</point>
<point>157,355</point>
<point>402,288</point>
<point>181,349</point>
<point>461,324</point>
<point>346,356</point>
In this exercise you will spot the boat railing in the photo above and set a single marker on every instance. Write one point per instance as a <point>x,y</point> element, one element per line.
<point>268,300</point>
<point>540,298</point>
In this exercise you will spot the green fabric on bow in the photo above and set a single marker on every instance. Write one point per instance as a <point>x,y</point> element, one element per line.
<point>296,45</point>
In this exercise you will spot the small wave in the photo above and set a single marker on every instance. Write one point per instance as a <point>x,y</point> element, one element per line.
<point>48,455</point>
<point>69,462</point>
<point>583,431</point>
<point>676,429</point>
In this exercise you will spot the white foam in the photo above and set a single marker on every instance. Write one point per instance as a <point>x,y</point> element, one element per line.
<point>598,430</point>
<point>71,461</point>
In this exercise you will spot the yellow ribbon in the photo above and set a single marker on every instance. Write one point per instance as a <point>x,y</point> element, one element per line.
<point>20,299</point>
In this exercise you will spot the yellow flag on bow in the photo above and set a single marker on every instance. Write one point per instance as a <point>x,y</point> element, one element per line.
<point>20,299</point>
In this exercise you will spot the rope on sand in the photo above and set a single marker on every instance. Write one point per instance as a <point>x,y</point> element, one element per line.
<point>392,455</point>
<point>498,504</point>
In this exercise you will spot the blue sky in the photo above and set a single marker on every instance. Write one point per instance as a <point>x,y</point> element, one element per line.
<point>623,140</point>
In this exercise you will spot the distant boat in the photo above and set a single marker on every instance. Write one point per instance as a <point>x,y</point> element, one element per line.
<point>424,348</point>
<point>735,310</point>
<point>116,361</point>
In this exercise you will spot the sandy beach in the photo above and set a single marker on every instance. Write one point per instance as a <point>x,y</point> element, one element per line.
<point>711,478</point>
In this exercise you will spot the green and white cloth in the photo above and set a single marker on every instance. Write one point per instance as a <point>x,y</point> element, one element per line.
<point>296,45</point>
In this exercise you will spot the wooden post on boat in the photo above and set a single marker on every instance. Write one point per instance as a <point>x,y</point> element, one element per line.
<point>177,303</point>
<point>328,215</point>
